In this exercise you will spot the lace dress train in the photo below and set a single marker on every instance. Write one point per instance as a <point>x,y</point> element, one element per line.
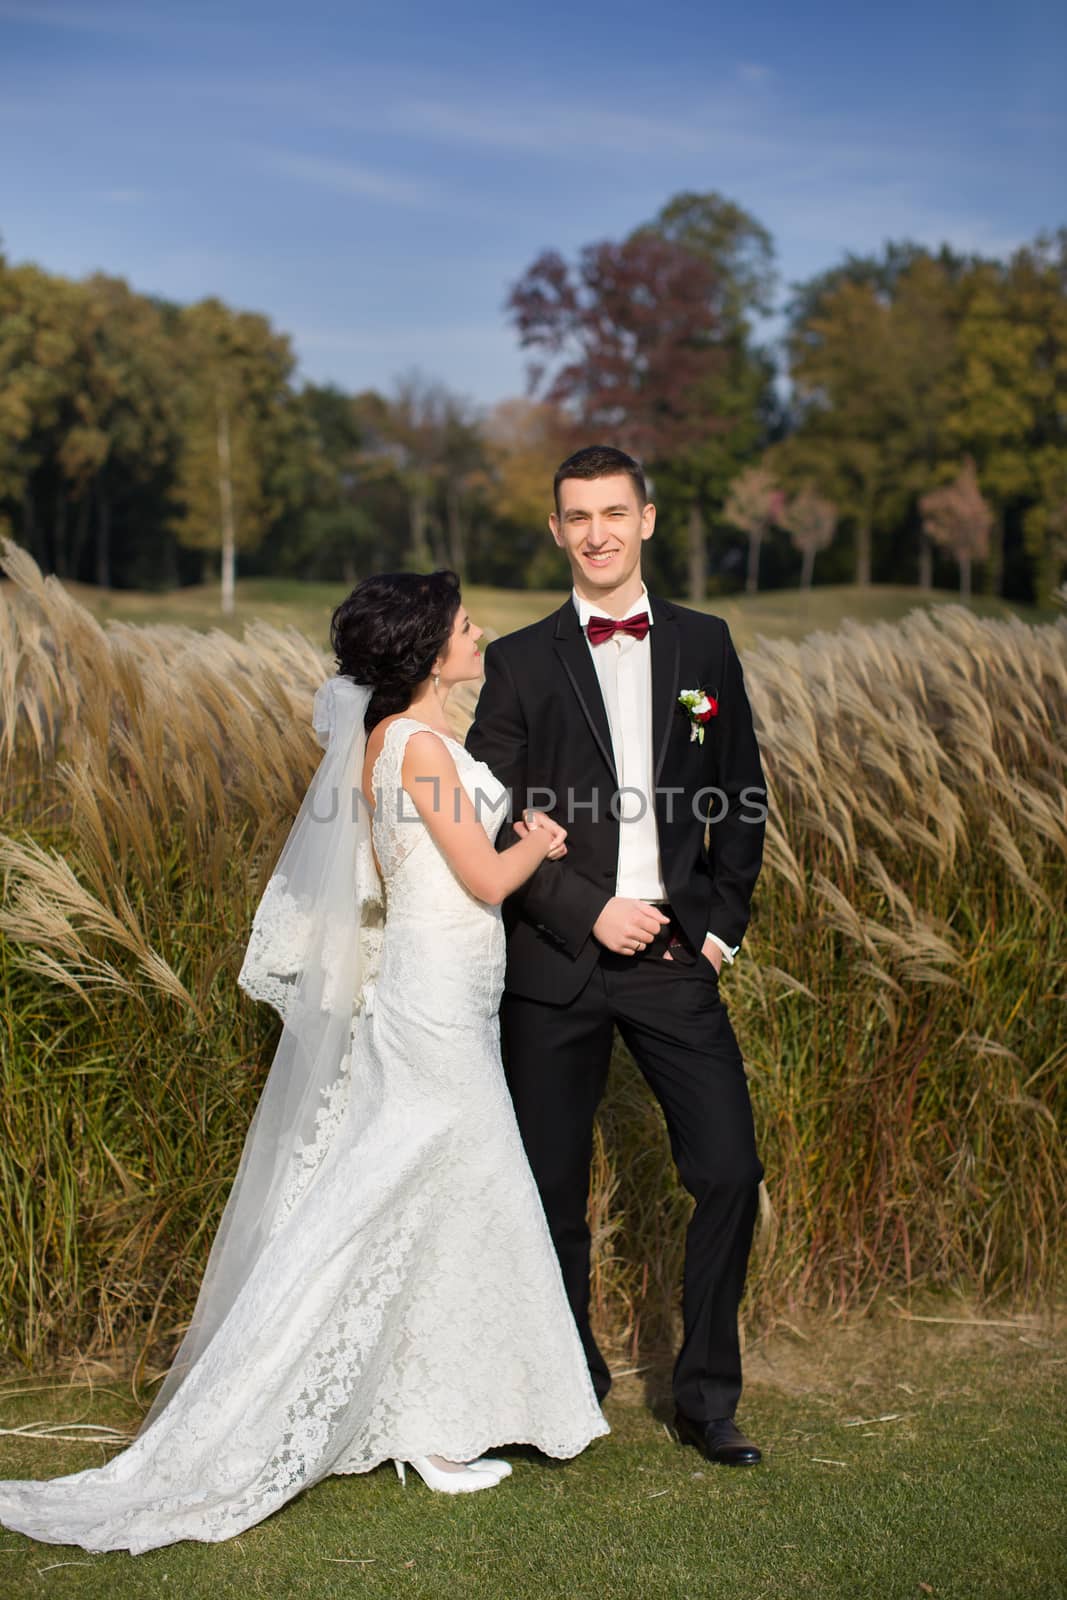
<point>411,1302</point>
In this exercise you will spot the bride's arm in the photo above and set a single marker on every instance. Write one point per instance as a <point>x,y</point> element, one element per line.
<point>429,776</point>
<point>558,898</point>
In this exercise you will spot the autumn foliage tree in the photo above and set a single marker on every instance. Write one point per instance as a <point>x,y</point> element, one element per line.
<point>86,408</point>
<point>810,521</point>
<point>740,394</point>
<point>628,342</point>
<point>634,334</point>
<point>434,440</point>
<point>871,349</point>
<point>235,400</point>
<point>957,517</point>
<point>753,505</point>
<point>144,443</point>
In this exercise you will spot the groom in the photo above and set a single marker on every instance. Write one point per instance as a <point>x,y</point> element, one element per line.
<point>580,716</point>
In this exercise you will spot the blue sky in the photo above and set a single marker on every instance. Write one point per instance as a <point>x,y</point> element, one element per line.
<point>375,176</point>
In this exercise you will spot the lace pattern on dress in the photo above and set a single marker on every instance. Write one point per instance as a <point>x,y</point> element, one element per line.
<point>281,930</point>
<point>409,1299</point>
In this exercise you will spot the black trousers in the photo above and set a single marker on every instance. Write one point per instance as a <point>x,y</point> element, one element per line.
<point>675,1025</point>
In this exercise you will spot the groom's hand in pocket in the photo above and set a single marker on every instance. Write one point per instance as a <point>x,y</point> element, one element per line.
<point>709,950</point>
<point>626,926</point>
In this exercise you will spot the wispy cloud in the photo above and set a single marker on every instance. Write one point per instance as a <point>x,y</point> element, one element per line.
<point>121,197</point>
<point>730,122</point>
<point>861,216</point>
<point>353,142</point>
<point>87,19</point>
<point>754,72</point>
<point>422,106</point>
<point>347,177</point>
<point>549,129</point>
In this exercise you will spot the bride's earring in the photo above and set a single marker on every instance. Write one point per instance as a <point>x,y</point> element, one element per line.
<point>436,682</point>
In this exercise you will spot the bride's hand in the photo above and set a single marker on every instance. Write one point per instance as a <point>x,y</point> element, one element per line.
<point>537,821</point>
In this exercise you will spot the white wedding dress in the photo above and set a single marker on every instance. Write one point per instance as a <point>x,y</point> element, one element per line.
<point>411,1301</point>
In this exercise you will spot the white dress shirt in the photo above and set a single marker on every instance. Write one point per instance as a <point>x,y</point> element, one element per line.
<point>624,670</point>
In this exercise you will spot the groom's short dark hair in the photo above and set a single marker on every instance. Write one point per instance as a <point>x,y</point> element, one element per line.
<point>600,461</point>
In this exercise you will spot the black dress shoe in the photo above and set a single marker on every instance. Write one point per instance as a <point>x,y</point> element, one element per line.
<point>720,1440</point>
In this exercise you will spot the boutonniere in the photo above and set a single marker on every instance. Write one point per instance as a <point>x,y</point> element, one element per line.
<point>700,708</point>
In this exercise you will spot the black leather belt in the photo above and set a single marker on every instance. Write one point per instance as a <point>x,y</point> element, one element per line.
<point>669,937</point>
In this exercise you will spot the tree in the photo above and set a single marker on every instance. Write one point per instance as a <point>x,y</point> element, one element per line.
<point>412,426</point>
<point>236,412</point>
<point>754,504</point>
<point>653,344</point>
<point>1039,276</point>
<point>525,441</point>
<point>39,318</point>
<point>433,439</point>
<point>810,521</point>
<point>883,275</point>
<point>125,407</point>
<point>331,523</point>
<point>740,394</point>
<point>739,248</point>
<point>636,333</point>
<point>637,336</point>
<point>990,416</point>
<point>1045,524</point>
<point>1009,391</point>
<point>871,345</point>
<point>464,469</point>
<point>840,356</point>
<point>959,519</point>
<point>85,408</point>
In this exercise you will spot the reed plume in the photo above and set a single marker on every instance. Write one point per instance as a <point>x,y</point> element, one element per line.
<point>899,997</point>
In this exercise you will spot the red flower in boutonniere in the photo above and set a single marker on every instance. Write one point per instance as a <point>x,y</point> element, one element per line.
<point>700,708</point>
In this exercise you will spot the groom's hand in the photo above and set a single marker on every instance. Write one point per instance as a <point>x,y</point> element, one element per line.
<point>626,926</point>
<point>710,949</point>
<point>535,820</point>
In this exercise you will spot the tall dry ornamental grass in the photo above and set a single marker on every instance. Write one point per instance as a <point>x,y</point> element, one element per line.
<point>899,999</point>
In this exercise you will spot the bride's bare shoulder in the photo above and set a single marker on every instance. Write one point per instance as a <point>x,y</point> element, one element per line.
<point>376,737</point>
<point>424,742</point>
<point>375,740</point>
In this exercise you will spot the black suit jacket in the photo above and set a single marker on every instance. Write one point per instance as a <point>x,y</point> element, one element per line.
<point>541,725</point>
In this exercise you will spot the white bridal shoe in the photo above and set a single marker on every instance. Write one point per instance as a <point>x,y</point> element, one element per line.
<point>480,1474</point>
<point>501,1469</point>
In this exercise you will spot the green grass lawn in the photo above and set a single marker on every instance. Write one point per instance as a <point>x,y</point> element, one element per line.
<point>901,1459</point>
<point>788,613</point>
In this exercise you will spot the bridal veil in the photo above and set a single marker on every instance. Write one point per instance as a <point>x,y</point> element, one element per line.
<point>312,955</point>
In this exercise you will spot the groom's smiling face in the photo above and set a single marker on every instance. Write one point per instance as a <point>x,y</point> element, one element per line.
<point>602,527</point>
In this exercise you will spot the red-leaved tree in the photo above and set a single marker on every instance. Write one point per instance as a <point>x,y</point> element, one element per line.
<point>628,342</point>
<point>959,519</point>
<point>810,521</point>
<point>754,503</point>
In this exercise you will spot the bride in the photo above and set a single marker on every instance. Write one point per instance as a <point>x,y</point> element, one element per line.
<point>383,1284</point>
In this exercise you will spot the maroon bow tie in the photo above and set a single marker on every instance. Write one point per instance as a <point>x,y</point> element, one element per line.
<point>601,628</point>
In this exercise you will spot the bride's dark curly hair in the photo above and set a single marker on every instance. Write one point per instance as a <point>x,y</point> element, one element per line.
<point>389,632</point>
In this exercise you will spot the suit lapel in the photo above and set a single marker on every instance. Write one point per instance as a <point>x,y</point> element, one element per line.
<point>572,648</point>
<point>573,651</point>
<point>666,653</point>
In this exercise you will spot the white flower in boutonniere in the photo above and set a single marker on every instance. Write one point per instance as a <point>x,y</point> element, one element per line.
<point>700,708</point>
